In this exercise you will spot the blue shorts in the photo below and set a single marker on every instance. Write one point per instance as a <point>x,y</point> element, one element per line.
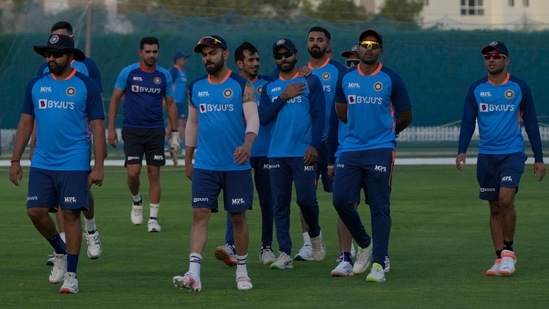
<point>138,141</point>
<point>50,189</point>
<point>182,110</point>
<point>237,186</point>
<point>496,171</point>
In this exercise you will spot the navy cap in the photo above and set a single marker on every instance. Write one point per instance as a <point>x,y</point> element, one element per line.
<point>352,51</point>
<point>284,43</point>
<point>62,43</point>
<point>214,41</point>
<point>180,55</point>
<point>368,32</point>
<point>497,46</point>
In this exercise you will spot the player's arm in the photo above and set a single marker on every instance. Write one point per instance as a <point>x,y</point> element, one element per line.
<point>23,133</point>
<point>249,106</point>
<point>113,109</point>
<point>99,150</point>
<point>468,123</point>
<point>404,119</point>
<point>191,136</point>
<point>531,127</point>
<point>269,110</point>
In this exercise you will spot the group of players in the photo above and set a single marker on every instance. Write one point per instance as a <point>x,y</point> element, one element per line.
<point>323,122</point>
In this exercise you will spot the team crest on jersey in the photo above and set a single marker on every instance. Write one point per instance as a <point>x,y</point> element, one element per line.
<point>259,89</point>
<point>509,94</point>
<point>54,39</point>
<point>326,76</point>
<point>70,91</point>
<point>378,86</point>
<point>227,93</point>
<point>157,80</point>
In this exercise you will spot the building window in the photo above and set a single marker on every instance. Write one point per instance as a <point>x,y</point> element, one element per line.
<point>472,7</point>
<point>526,3</point>
<point>511,3</point>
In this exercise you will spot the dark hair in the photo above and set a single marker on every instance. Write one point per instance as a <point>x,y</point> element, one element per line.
<point>321,29</point>
<point>62,25</point>
<point>150,40</point>
<point>239,51</point>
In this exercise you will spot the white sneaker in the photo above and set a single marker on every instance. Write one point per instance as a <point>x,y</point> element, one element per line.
<point>188,281</point>
<point>305,253</point>
<point>494,270</point>
<point>50,260</point>
<point>70,284</point>
<point>226,254</point>
<point>353,250</point>
<point>59,268</point>
<point>343,269</point>
<point>243,282</point>
<point>377,274</point>
<point>94,245</point>
<point>319,249</point>
<point>363,259</point>
<point>282,262</point>
<point>153,226</point>
<point>508,261</point>
<point>267,256</point>
<point>387,263</point>
<point>136,215</point>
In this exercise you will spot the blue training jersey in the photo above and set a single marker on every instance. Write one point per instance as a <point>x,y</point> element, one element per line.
<point>221,123</point>
<point>179,79</point>
<point>372,101</point>
<point>62,111</point>
<point>298,122</point>
<point>499,110</point>
<point>144,94</point>
<point>86,67</point>
<point>328,74</point>
<point>263,139</point>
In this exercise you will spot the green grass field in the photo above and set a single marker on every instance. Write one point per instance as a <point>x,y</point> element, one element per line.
<point>440,248</point>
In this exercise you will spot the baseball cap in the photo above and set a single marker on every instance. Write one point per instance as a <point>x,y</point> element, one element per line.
<point>284,43</point>
<point>352,51</point>
<point>62,43</point>
<point>179,55</point>
<point>497,46</point>
<point>214,41</point>
<point>368,32</point>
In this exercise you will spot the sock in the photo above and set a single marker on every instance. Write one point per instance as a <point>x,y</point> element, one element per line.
<point>62,235</point>
<point>72,262</point>
<point>498,253</point>
<point>241,264</point>
<point>90,226</point>
<point>58,244</point>
<point>347,257</point>
<point>195,260</point>
<point>136,198</point>
<point>306,239</point>
<point>508,245</point>
<point>154,211</point>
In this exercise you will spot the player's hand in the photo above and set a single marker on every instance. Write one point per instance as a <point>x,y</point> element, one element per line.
<point>96,176</point>
<point>311,155</point>
<point>174,141</point>
<point>330,171</point>
<point>293,90</point>
<point>189,170</point>
<point>16,173</point>
<point>460,161</point>
<point>241,154</point>
<point>539,170</point>
<point>112,137</point>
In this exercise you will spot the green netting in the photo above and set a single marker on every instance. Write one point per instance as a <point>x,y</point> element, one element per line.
<point>436,65</point>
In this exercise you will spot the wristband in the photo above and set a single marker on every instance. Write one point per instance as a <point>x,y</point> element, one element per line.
<point>15,161</point>
<point>173,131</point>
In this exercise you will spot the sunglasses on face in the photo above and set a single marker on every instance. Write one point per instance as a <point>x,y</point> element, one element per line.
<point>352,62</point>
<point>370,44</point>
<point>54,53</point>
<point>211,41</point>
<point>286,54</point>
<point>495,56</point>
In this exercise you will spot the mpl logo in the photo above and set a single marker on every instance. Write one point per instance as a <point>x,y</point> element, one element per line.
<point>137,79</point>
<point>353,85</point>
<point>237,201</point>
<point>485,94</point>
<point>275,89</point>
<point>507,179</point>
<point>45,89</point>
<point>309,168</point>
<point>70,200</point>
<point>158,157</point>
<point>380,169</point>
<point>203,94</point>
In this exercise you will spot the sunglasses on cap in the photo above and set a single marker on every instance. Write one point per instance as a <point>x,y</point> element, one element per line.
<point>495,56</point>
<point>286,54</point>
<point>54,53</point>
<point>352,62</point>
<point>211,41</point>
<point>370,44</point>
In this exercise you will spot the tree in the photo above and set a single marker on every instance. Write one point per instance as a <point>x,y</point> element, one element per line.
<point>402,10</point>
<point>335,10</point>
<point>268,9</point>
